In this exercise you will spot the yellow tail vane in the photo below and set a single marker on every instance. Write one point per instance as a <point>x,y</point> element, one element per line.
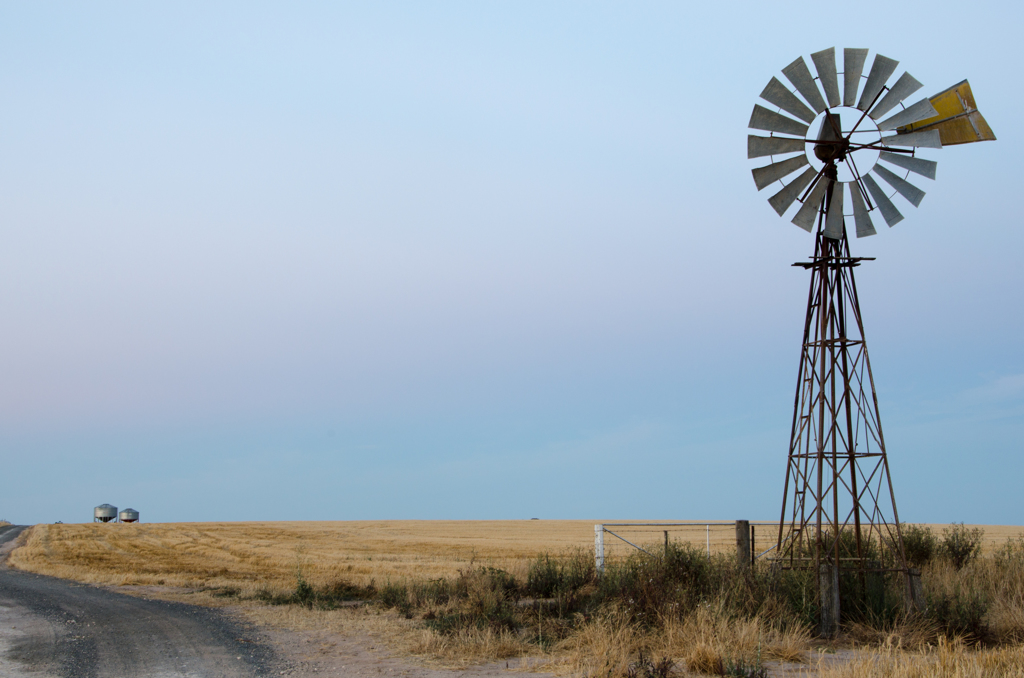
<point>958,121</point>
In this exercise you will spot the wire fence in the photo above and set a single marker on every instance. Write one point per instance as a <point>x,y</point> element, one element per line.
<point>617,541</point>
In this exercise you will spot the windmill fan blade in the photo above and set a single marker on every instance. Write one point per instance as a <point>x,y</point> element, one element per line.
<point>771,121</point>
<point>834,218</point>
<point>922,110</point>
<point>825,64</point>
<point>927,139</point>
<point>903,88</point>
<point>758,147</point>
<point>800,76</point>
<point>808,212</point>
<point>908,190</point>
<point>881,69</point>
<point>860,213</point>
<point>775,171</point>
<point>926,168</point>
<point>778,94</point>
<point>781,201</point>
<point>889,212</point>
<point>853,66</point>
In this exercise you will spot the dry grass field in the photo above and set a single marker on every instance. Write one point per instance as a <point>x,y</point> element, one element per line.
<point>247,556</point>
<point>201,561</point>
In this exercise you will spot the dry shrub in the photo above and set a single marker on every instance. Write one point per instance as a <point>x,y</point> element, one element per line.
<point>710,636</point>
<point>1006,609</point>
<point>906,632</point>
<point>1006,617</point>
<point>603,647</point>
<point>469,646</point>
<point>355,621</point>
<point>919,544</point>
<point>960,544</point>
<point>706,642</point>
<point>984,600</point>
<point>704,658</point>
<point>789,645</point>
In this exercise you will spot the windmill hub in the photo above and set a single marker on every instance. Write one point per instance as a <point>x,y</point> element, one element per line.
<point>832,152</point>
<point>829,142</point>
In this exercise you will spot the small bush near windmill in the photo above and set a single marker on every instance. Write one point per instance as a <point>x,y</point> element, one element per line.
<point>920,544</point>
<point>308,596</point>
<point>741,670</point>
<point>961,613</point>
<point>961,545</point>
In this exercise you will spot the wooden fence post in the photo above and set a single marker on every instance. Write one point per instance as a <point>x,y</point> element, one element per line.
<point>743,542</point>
<point>915,591</point>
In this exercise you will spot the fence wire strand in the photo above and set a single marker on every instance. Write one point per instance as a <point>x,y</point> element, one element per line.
<point>621,540</point>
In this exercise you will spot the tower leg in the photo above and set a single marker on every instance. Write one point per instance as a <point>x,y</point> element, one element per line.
<point>828,592</point>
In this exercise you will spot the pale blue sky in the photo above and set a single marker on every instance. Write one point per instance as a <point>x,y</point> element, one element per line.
<point>470,260</point>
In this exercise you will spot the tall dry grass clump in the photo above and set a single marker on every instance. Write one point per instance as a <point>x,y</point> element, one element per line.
<point>983,599</point>
<point>946,659</point>
<point>971,592</point>
<point>709,640</point>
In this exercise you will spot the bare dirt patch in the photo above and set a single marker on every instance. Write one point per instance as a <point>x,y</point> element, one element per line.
<point>324,652</point>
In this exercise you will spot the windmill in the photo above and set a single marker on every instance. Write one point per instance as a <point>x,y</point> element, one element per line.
<point>854,149</point>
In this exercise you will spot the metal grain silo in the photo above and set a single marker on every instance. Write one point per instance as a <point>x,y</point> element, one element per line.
<point>104,513</point>
<point>129,515</point>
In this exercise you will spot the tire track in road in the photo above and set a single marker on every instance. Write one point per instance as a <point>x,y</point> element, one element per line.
<point>53,627</point>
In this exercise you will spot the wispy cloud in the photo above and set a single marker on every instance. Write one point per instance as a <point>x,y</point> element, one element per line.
<point>1008,387</point>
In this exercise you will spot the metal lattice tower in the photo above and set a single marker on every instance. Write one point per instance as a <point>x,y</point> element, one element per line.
<point>837,476</point>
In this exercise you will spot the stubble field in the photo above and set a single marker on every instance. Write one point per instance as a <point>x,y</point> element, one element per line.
<point>247,556</point>
<point>270,555</point>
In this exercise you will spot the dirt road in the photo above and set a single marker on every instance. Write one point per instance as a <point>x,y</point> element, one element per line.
<point>53,627</point>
